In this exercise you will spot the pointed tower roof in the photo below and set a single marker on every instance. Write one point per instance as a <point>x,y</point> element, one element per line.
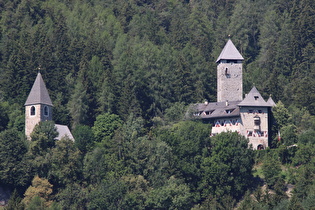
<point>230,52</point>
<point>253,98</point>
<point>39,93</point>
<point>271,102</point>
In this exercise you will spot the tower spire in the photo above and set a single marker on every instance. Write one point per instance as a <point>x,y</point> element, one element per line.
<point>229,74</point>
<point>230,52</point>
<point>38,106</point>
<point>39,93</point>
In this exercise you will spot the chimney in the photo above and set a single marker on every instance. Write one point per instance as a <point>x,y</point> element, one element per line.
<point>227,103</point>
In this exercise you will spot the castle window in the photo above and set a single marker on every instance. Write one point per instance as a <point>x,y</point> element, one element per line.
<point>257,120</point>
<point>256,97</point>
<point>260,147</point>
<point>32,110</point>
<point>209,112</point>
<point>229,111</point>
<point>227,73</point>
<point>197,113</point>
<point>46,111</point>
<point>257,124</point>
<point>249,133</point>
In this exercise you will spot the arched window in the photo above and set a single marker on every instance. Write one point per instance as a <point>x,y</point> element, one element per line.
<point>32,110</point>
<point>46,111</point>
<point>260,147</point>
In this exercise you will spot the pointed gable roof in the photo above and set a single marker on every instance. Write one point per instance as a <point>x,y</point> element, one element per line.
<point>253,98</point>
<point>230,52</point>
<point>39,93</point>
<point>271,102</point>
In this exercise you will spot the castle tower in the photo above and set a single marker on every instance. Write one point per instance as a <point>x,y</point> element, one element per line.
<point>38,106</point>
<point>229,74</point>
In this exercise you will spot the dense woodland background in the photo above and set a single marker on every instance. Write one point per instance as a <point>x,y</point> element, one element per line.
<point>121,74</point>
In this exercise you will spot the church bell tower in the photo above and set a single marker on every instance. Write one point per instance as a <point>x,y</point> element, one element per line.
<point>38,106</point>
<point>229,74</point>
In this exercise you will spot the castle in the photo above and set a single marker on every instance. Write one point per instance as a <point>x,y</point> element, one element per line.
<point>38,107</point>
<point>250,116</point>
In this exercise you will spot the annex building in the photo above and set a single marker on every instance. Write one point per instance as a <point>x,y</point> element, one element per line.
<point>38,107</point>
<point>249,116</point>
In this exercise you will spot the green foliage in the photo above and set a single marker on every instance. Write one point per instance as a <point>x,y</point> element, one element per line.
<point>15,202</point>
<point>108,194</point>
<point>176,112</point>
<point>137,190</point>
<point>287,154</point>
<point>281,115</point>
<point>143,61</point>
<point>271,170</point>
<point>43,137</point>
<point>226,166</point>
<point>303,120</point>
<point>73,196</point>
<point>187,140</point>
<point>289,135</point>
<point>307,137</point>
<point>13,162</point>
<point>98,165</point>
<point>105,126</point>
<point>140,154</point>
<point>65,163</point>
<point>84,138</point>
<point>4,118</point>
<point>36,204</point>
<point>78,105</point>
<point>174,195</point>
<point>304,154</point>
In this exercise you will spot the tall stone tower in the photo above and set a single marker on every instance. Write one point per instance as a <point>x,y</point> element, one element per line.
<point>229,74</point>
<point>38,106</point>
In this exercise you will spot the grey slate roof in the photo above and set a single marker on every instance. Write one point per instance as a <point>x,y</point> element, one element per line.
<point>63,131</point>
<point>39,93</point>
<point>253,98</point>
<point>231,108</point>
<point>271,102</point>
<point>218,109</point>
<point>230,52</point>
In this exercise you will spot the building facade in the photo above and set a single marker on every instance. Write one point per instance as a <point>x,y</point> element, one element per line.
<point>249,116</point>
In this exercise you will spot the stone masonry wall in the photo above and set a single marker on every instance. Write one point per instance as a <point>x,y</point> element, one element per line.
<point>32,120</point>
<point>255,138</point>
<point>230,82</point>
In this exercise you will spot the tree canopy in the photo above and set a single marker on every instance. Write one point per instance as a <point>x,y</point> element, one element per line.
<point>122,73</point>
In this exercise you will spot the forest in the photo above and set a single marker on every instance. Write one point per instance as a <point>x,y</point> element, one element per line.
<point>121,74</point>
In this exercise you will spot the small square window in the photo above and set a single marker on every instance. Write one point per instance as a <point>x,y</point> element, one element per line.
<point>249,133</point>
